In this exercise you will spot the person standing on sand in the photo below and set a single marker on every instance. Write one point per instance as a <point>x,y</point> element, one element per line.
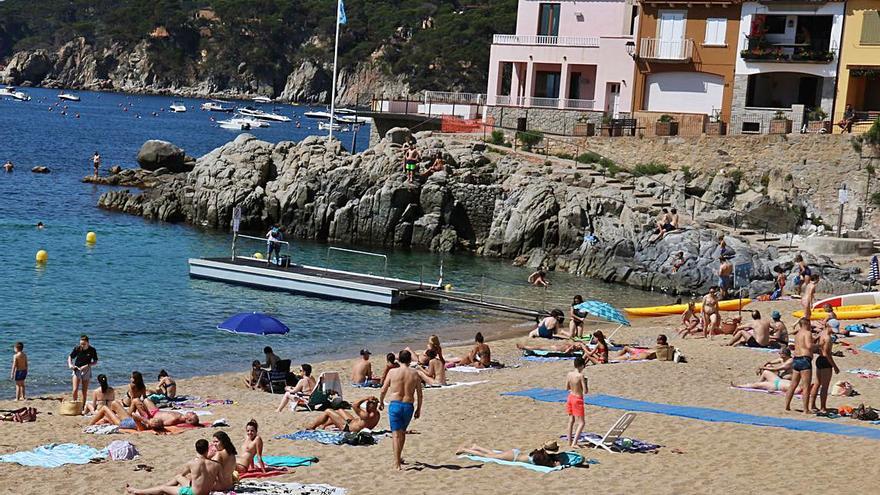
<point>824,365</point>
<point>80,361</point>
<point>576,384</point>
<point>19,370</point>
<point>802,366</point>
<point>711,316</point>
<point>809,295</point>
<point>804,274</point>
<point>198,477</point>
<point>96,162</point>
<point>725,276</point>
<point>403,383</point>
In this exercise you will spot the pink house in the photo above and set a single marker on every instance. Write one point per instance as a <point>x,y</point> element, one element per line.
<point>566,55</point>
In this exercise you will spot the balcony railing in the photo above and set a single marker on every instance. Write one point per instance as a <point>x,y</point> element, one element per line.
<point>544,102</point>
<point>455,98</point>
<point>665,50</point>
<point>538,102</point>
<point>578,104</point>
<point>758,49</point>
<point>517,39</point>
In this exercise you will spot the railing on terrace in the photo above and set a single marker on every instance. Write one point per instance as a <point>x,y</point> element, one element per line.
<point>456,98</point>
<point>758,49</point>
<point>518,39</point>
<point>523,101</point>
<point>659,50</point>
<point>573,104</point>
<point>544,102</point>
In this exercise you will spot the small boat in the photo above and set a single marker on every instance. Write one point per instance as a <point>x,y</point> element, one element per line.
<point>326,126</point>
<point>346,118</point>
<point>677,309</point>
<point>262,99</point>
<point>855,299</point>
<point>213,106</point>
<point>68,97</point>
<point>242,123</point>
<point>259,114</point>
<point>177,107</point>
<point>21,96</point>
<point>7,91</point>
<point>857,312</point>
<point>318,115</point>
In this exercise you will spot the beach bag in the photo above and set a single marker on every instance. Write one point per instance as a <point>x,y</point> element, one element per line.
<point>120,450</point>
<point>843,389</point>
<point>70,408</point>
<point>362,437</point>
<point>865,413</point>
<point>665,353</point>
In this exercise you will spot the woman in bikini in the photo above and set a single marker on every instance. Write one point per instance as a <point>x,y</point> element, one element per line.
<point>598,355</point>
<point>774,374</point>
<point>251,449</point>
<point>136,390</point>
<point>433,343</point>
<point>690,323</point>
<point>104,395</point>
<point>538,457</point>
<point>166,386</point>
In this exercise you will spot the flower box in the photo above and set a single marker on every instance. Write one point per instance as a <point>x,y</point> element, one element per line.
<point>666,128</point>
<point>780,126</point>
<point>585,129</point>
<point>716,128</point>
<point>819,126</point>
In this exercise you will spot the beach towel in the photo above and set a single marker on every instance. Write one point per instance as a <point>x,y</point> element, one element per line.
<point>456,384</point>
<point>54,455</point>
<point>572,459</point>
<point>320,436</point>
<point>471,369</point>
<point>622,444</point>
<point>865,373</point>
<point>255,487</point>
<point>548,359</point>
<point>701,413</point>
<point>271,472</point>
<point>288,461</point>
<point>770,392</point>
<point>101,429</point>
<point>543,353</point>
<point>873,346</point>
<point>367,385</point>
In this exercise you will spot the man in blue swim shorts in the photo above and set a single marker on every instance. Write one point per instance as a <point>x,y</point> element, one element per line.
<point>404,385</point>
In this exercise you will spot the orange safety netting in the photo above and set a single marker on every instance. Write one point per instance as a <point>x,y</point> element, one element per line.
<point>454,124</point>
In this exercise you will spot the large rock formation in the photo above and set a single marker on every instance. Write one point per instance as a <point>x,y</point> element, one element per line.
<point>156,154</point>
<point>505,208</point>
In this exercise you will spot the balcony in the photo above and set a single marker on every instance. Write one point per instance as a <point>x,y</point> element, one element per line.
<point>665,50</point>
<point>539,40</point>
<point>762,51</point>
<point>539,102</point>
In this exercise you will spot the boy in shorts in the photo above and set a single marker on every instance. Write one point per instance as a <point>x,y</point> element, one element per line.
<point>576,384</point>
<point>19,370</point>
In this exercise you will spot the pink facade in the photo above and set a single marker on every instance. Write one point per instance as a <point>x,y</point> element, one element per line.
<point>567,55</point>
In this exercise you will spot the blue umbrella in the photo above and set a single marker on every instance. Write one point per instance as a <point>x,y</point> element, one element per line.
<point>254,323</point>
<point>604,311</point>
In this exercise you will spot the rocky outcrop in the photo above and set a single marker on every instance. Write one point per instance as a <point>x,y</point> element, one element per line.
<point>498,207</point>
<point>156,154</point>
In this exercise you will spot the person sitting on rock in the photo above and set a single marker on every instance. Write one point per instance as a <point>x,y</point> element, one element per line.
<point>539,278</point>
<point>436,166</point>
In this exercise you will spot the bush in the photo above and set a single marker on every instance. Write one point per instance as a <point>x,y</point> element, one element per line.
<point>650,168</point>
<point>497,137</point>
<point>688,175</point>
<point>589,157</point>
<point>610,167</point>
<point>765,180</point>
<point>564,156</point>
<point>529,138</point>
<point>816,114</point>
<point>736,176</point>
<point>666,118</point>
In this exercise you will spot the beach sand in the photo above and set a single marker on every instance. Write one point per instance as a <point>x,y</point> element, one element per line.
<point>697,456</point>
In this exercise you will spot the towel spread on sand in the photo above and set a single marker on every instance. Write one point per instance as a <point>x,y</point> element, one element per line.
<point>101,429</point>
<point>865,373</point>
<point>456,384</point>
<point>545,353</point>
<point>572,459</point>
<point>288,461</point>
<point>548,359</point>
<point>273,488</point>
<point>270,473</point>
<point>54,455</point>
<point>327,437</point>
<point>471,369</point>
<point>622,444</point>
<point>701,413</point>
<point>873,346</point>
<point>771,392</point>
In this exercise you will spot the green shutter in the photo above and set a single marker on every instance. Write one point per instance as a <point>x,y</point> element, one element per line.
<point>871,28</point>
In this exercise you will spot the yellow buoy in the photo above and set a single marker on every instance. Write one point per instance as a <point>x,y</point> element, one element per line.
<point>258,256</point>
<point>91,237</point>
<point>447,287</point>
<point>42,256</point>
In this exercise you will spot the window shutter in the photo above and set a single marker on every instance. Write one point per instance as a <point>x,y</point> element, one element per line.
<point>871,27</point>
<point>716,30</point>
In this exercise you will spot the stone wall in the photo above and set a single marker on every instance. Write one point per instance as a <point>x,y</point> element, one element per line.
<point>548,120</point>
<point>478,202</point>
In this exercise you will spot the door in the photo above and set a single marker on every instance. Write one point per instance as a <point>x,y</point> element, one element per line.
<point>612,99</point>
<point>548,19</point>
<point>670,32</point>
<point>808,89</point>
<point>574,86</point>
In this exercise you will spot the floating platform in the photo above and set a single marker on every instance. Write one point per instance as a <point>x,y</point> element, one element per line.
<point>314,281</point>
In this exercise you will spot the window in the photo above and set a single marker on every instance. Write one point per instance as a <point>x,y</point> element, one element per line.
<point>716,30</point>
<point>548,20</point>
<point>775,24</point>
<point>871,28</point>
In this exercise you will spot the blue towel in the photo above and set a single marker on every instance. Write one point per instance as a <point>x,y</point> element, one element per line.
<point>873,346</point>
<point>702,413</point>
<point>54,455</point>
<point>320,436</point>
<point>572,459</point>
<point>547,359</point>
<point>545,353</point>
<point>288,461</point>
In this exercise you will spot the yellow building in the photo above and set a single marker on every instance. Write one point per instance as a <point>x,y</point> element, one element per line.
<point>859,72</point>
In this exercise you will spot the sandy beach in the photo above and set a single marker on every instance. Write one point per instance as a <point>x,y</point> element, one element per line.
<point>696,457</point>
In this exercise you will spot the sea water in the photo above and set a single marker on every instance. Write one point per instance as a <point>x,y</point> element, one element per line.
<point>130,291</point>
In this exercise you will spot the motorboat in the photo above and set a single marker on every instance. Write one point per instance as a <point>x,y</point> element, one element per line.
<point>326,126</point>
<point>68,97</point>
<point>216,106</point>
<point>7,91</point>
<point>242,123</point>
<point>21,96</point>
<point>349,117</point>
<point>262,99</point>
<point>318,115</point>
<point>178,107</point>
<point>259,114</point>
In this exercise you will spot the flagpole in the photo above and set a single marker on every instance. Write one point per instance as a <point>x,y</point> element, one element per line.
<point>333,89</point>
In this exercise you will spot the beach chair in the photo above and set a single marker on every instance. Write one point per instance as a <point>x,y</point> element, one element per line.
<point>328,383</point>
<point>607,442</point>
<point>277,377</point>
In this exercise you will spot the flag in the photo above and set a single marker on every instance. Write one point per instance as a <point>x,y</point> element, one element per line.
<point>341,18</point>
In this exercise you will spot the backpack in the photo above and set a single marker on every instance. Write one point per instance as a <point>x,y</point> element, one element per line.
<point>362,437</point>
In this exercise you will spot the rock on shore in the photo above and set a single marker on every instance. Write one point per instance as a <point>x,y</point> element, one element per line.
<point>498,207</point>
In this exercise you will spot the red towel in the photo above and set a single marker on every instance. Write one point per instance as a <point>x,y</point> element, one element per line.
<point>270,472</point>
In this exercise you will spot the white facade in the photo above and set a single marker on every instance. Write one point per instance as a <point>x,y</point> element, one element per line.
<point>689,92</point>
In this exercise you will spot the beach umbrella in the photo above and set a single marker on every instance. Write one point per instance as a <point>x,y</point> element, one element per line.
<point>603,310</point>
<point>874,272</point>
<point>254,323</point>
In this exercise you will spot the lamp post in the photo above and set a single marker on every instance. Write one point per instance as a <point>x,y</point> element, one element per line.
<point>631,48</point>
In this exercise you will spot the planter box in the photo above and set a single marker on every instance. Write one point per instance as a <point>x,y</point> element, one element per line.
<point>585,129</point>
<point>819,126</point>
<point>666,128</point>
<point>780,127</point>
<point>716,128</point>
<point>613,131</point>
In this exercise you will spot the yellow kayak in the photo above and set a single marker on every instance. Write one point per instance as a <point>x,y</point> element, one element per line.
<point>677,309</point>
<point>858,312</point>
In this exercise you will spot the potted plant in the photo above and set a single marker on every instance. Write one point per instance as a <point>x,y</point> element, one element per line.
<point>583,126</point>
<point>780,124</point>
<point>610,129</point>
<point>715,127</point>
<point>817,121</point>
<point>666,126</point>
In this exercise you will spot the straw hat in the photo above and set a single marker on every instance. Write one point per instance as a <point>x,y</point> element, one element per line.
<point>70,408</point>
<point>551,446</point>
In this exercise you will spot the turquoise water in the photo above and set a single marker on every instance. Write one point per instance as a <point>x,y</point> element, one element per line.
<point>130,291</point>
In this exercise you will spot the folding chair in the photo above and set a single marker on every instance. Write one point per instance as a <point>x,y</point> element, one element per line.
<point>607,442</point>
<point>328,382</point>
<point>277,377</point>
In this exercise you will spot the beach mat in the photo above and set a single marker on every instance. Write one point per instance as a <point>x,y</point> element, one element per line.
<point>326,437</point>
<point>255,487</point>
<point>573,459</point>
<point>761,390</point>
<point>865,373</point>
<point>471,369</point>
<point>271,472</point>
<point>873,346</point>
<point>55,455</point>
<point>556,354</point>
<point>288,461</point>
<point>701,413</point>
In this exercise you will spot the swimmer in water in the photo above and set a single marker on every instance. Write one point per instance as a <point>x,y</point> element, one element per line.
<point>40,225</point>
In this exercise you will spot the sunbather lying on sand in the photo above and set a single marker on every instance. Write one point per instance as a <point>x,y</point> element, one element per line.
<point>774,374</point>
<point>538,457</point>
<point>566,348</point>
<point>479,357</point>
<point>114,414</point>
<point>639,354</point>
<point>366,418</point>
<point>148,417</point>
